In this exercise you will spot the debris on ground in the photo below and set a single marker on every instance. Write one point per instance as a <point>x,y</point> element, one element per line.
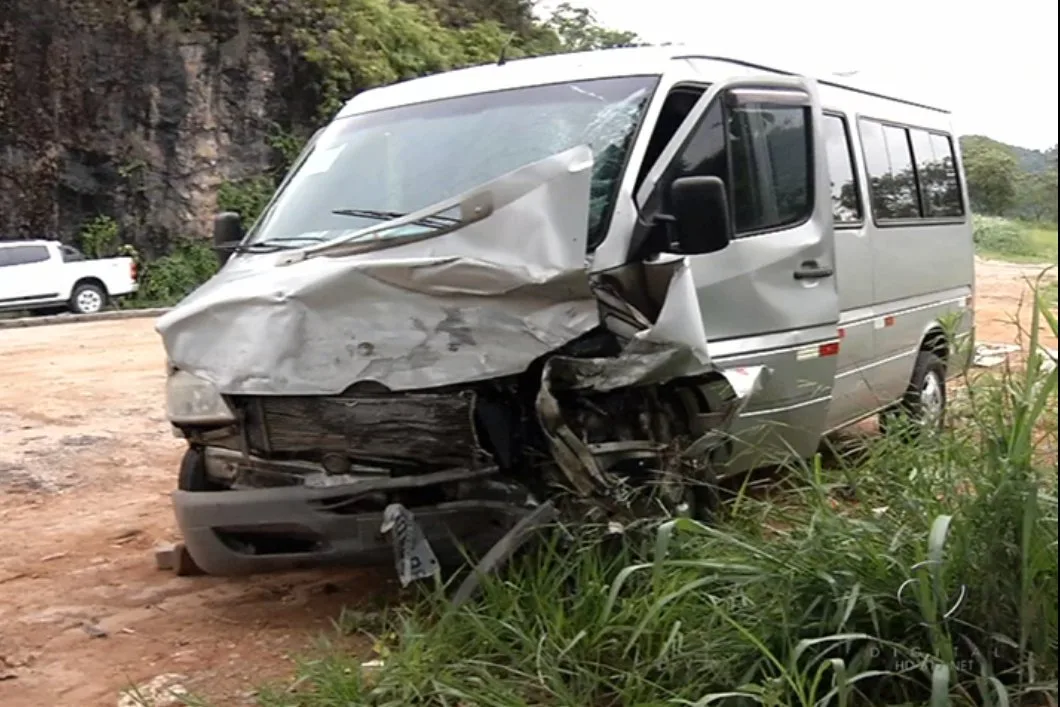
<point>992,355</point>
<point>94,631</point>
<point>165,690</point>
<point>175,557</point>
<point>989,355</point>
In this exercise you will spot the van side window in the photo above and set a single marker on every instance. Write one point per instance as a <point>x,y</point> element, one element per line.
<point>846,201</point>
<point>675,109</point>
<point>772,179</point>
<point>937,174</point>
<point>704,153</point>
<point>889,162</point>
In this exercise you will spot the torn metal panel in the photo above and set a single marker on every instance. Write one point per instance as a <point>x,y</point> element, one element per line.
<point>672,347</point>
<point>584,465</point>
<point>414,558</point>
<point>743,383</point>
<point>476,303</point>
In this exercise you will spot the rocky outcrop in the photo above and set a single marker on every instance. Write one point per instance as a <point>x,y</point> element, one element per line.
<point>118,108</point>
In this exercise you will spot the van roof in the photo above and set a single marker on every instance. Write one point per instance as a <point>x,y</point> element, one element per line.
<point>577,66</point>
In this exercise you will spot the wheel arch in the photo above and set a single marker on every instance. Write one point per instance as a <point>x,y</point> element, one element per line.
<point>90,280</point>
<point>935,340</point>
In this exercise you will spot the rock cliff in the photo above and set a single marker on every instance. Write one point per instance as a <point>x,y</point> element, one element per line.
<point>119,108</point>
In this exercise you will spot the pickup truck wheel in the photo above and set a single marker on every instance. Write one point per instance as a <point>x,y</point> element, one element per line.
<point>193,476</point>
<point>923,408</point>
<point>87,299</point>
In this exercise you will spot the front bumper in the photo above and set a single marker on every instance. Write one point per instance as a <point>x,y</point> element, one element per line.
<point>239,532</point>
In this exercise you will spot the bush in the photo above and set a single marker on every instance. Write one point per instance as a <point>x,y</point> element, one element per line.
<point>937,583</point>
<point>999,235</point>
<point>246,197</point>
<point>1012,240</point>
<point>171,278</point>
<point>99,237</point>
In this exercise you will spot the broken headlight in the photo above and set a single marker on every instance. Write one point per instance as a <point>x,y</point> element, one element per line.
<point>190,400</point>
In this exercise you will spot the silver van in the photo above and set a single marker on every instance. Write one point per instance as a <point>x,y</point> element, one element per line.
<point>597,282</point>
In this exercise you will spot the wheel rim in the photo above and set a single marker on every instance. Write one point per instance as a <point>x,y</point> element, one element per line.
<point>89,301</point>
<point>932,400</point>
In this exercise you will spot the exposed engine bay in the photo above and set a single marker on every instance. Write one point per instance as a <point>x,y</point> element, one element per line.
<point>541,434</point>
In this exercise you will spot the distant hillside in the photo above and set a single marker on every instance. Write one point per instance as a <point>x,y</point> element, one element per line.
<point>1005,180</point>
<point>1032,161</point>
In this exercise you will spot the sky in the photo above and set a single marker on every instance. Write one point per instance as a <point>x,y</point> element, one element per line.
<point>993,64</point>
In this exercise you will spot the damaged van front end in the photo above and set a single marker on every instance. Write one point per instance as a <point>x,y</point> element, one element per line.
<point>430,380</point>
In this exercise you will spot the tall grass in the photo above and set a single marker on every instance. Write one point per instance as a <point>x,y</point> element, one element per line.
<point>903,574</point>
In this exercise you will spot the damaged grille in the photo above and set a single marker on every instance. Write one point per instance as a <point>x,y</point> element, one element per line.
<point>417,430</point>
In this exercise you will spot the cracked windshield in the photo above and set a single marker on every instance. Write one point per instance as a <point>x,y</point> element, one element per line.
<point>378,166</point>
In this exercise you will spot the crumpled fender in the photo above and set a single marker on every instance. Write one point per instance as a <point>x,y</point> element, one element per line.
<point>674,346</point>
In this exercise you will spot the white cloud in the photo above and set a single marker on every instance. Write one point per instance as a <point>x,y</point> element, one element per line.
<point>994,65</point>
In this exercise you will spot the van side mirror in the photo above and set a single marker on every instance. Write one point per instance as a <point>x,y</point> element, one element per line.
<point>227,232</point>
<point>700,215</point>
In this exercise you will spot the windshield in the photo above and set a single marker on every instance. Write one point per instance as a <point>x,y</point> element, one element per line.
<point>370,168</point>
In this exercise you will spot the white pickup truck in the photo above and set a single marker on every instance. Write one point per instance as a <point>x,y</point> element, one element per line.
<point>43,274</point>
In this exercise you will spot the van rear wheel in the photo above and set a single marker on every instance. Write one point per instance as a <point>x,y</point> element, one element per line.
<point>923,407</point>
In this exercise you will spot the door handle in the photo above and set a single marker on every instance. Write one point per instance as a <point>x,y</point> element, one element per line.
<point>810,270</point>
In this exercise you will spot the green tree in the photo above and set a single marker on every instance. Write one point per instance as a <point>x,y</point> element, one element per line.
<point>100,237</point>
<point>992,172</point>
<point>1036,196</point>
<point>578,30</point>
<point>357,44</point>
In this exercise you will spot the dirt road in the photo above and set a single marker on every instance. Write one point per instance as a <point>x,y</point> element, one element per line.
<point>86,464</point>
<point>1001,290</point>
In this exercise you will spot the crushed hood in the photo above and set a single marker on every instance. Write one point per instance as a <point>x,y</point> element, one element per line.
<point>474,303</point>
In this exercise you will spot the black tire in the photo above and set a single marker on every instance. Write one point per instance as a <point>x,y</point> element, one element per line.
<point>88,299</point>
<point>192,475</point>
<point>923,407</point>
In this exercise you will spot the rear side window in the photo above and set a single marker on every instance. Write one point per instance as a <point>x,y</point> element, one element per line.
<point>23,255</point>
<point>71,254</point>
<point>772,176</point>
<point>846,201</point>
<point>936,170</point>
<point>889,163</point>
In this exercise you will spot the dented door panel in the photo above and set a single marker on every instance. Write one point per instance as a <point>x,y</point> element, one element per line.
<point>774,285</point>
<point>786,415</point>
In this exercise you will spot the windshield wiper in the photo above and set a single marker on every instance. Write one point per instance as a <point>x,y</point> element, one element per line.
<point>272,245</point>
<point>429,221</point>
